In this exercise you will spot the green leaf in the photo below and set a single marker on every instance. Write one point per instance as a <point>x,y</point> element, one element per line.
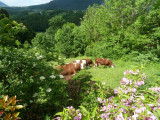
<point>16,114</point>
<point>94,112</point>
<point>126,96</point>
<point>123,106</point>
<point>59,113</point>
<point>84,109</point>
<point>157,114</point>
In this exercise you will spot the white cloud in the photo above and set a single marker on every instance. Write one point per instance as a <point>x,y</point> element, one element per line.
<point>24,2</point>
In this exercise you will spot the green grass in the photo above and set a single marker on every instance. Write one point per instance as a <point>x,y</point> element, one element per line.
<point>113,76</point>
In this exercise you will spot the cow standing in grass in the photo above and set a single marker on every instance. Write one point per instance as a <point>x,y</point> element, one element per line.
<point>81,62</point>
<point>103,61</point>
<point>89,62</point>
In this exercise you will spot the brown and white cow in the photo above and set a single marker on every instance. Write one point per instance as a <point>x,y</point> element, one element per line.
<point>76,66</point>
<point>69,69</point>
<point>81,62</point>
<point>89,62</point>
<point>103,61</point>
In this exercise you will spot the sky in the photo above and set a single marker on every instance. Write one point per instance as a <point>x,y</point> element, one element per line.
<point>21,3</point>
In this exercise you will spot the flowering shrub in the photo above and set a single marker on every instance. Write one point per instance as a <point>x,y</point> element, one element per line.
<point>70,113</point>
<point>128,102</point>
<point>33,80</point>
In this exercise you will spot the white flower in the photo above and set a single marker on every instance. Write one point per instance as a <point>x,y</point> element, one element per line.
<point>61,76</point>
<point>35,94</point>
<point>100,100</point>
<point>31,101</point>
<point>103,83</point>
<point>49,90</point>
<point>34,64</point>
<point>42,78</point>
<point>52,76</point>
<point>126,72</point>
<point>120,117</point>
<point>40,57</point>
<point>142,97</point>
<point>134,117</point>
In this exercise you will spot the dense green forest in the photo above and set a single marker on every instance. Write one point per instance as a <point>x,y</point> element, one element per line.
<point>33,42</point>
<point>37,20</point>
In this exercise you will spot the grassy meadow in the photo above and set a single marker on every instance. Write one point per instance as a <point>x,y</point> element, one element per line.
<point>112,76</point>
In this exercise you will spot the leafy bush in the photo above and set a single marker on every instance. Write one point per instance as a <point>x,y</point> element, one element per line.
<point>143,58</point>
<point>64,39</point>
<point>105,50</point>
<point>33,80</point>
<point>12,33</point>
<point>83,91</point>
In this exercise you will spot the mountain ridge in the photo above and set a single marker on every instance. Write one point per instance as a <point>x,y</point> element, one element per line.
<point>3,4</point>
<point>68,4</point>
<point>60,4</point>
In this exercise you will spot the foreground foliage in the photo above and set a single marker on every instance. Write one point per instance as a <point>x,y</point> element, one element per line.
<point>33,80</point>
<point>8,108</point>
<point>129,102</point>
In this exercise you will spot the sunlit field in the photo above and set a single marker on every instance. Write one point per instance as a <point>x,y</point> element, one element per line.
<point>112,76</point>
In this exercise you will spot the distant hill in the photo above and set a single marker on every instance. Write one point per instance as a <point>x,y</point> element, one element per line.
<point>58,4</point>
<point>3,5</point>
<point>68,4</point>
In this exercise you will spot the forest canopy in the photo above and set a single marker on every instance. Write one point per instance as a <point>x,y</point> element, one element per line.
<point>115,29</point>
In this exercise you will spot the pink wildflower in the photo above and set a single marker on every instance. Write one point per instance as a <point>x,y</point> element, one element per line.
<point>123,110</point>
<point>110,98</point>
<point>138,110</point>
<point>105,116</point>
<point>126,72</point>
<point>100,100</point>
<point>58,118</point>
<point>78,117</point>
<point>120,117</point>
<point>70,107</point>
<point>139,83</point>
<point>134,117</point>
<point>143,76</point>
<point>131,72</point>
<point>156,89</point>
<point>124,81</point>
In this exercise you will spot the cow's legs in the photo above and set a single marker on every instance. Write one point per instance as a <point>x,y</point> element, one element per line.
<point>74,72</point>
<point>97,64</point>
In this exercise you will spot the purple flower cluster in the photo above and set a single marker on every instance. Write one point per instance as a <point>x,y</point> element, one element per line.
<point>139,83</point>
<point>124,90</point>
<point>128,105</point>
<point>133,111</point>
<point>125,81</point>
<point>75,113</point>
<point>131,72</point>
<point>156,89</point>
<point>130,85</point>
